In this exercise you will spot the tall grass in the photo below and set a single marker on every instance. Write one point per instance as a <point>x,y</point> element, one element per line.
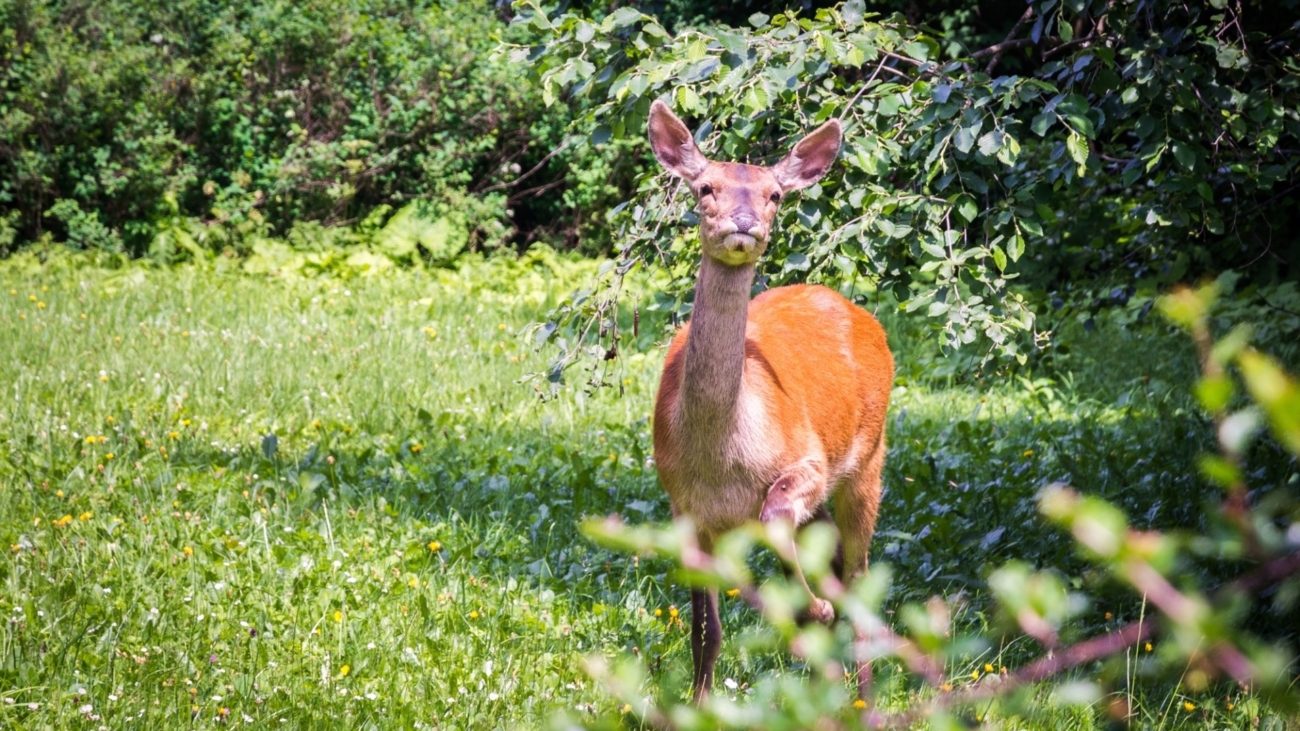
<point>316,502</point>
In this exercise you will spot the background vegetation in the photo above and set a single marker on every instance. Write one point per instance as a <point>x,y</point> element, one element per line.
<point>272,448</point>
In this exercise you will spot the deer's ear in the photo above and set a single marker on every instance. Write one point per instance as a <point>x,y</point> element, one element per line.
<point>673,145</point>
<point>810,158</point>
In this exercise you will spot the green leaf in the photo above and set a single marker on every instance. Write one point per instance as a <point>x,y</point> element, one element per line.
<point>990,142</point>
<point>964,139</point>
<point>621,18</point>
<point>1078,148</point>
<point>999,257</point>
<point>1042,122</point>
<point>1064,29</point>
<point>1185,155</point>
<point>758,20</point>
<point>966,208</point>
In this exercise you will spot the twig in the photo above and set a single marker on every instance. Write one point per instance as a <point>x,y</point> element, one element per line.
<point>1015,30</point>
<point>526,175</point>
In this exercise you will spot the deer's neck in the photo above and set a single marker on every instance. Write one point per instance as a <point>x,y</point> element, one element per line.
<point>715,348</point>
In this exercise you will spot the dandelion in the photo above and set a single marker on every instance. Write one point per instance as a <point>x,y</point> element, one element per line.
<point>108,456</point>
<point>975,674</point>
<point>431,332</point>
<point>435,546</point>
<point>58,493</point>
<point>188,551</point>
<point>415,448</point>
<point>627,708</point>
<point>1189,706</point>
<point>343,671</point>
<point>103,377</point>
<point>315,424</point>
<point>733,592</point>
<point>502,326</point>
<point>473,614</point>
<point>1231,706</point>
<point>31,298</point>
<point>186,422</point>
<point>1108,616</point>
<point>672,612</point>
<point>85,516</point>
<point>40,305</point>
<point>413,583</point>
<point>1027,453</point>
<point>338,616</point>
<point>173,434</point>
<point>946,687</point>
<point>63,521</point>
<point>988,668</point>
<point>1148,647</point>
<point>658,612</point>
<point>859,704</point>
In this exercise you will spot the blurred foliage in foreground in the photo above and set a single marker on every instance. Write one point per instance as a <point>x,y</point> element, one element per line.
<point>1201,629</point>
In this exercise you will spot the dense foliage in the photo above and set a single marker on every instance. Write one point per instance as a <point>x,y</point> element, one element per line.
<point>1112,148</point>
<point>244,118</point>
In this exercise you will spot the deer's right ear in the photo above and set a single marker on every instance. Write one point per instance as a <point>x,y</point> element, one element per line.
<point>673,145</point>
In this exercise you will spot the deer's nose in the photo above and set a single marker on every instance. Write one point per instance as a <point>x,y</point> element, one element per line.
<point>745,222</point>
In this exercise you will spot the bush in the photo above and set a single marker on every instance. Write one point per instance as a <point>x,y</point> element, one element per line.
<point>117,117</point>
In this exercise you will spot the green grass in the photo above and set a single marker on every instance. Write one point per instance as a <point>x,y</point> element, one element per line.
<point>403,552</point>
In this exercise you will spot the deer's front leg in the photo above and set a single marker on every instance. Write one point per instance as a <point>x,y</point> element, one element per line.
<point>795,496</point>
<point>706,639</point>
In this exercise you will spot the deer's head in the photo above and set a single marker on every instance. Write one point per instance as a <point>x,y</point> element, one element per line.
<point>738,202</point>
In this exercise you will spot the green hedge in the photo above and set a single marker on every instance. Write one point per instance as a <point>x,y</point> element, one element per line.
<point>116,117</point>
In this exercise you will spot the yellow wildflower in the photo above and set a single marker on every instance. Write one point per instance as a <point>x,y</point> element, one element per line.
<point>103,378</point>
<point>415,448</point>
<point>659,612</point>
<point>1027,453</point>
<point>343,671</point>
<point>975,675</point>
<point>63,521</point>
<point>1148,647</point>
<point>338,616</point>
<point>502,326</point>
<point>672,612</point>
<point>627,708</point>
<point>435,546</point>
<point>1189,706</point>
<point>413,583</point>
<point>85,516</point>
<point>174,434</point>
<point>40,305</point>
<point>58,493</point>
<point>859,704</point>
<point>946,687</point>
<point>988,668</point>
<point>473,614</point>
<point>733,592</point>
<point>108,456</point>
<point>31,298</point>
<point>187,551</point>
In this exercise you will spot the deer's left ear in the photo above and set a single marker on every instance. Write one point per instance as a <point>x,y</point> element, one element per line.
<point>810,158</point>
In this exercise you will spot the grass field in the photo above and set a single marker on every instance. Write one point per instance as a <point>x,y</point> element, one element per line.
<point>326,502</point>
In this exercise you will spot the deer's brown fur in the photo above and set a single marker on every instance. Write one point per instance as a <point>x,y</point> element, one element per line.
<point>766,409</point>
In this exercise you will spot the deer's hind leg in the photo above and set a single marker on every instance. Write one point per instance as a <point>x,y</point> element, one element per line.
<point>857,505</point>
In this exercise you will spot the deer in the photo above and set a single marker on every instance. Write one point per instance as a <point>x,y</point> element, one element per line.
<point>772,408</point>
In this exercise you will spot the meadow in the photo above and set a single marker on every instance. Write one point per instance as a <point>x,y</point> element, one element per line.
<point>329,501</point>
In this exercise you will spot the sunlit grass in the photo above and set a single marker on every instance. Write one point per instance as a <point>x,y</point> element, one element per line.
<point>334,502</point>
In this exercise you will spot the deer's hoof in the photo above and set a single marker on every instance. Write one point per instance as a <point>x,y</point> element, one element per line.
<point>820,610</point>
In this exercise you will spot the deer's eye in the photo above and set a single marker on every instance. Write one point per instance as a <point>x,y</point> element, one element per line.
<point>706,190</point>
<point>776,197</point>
